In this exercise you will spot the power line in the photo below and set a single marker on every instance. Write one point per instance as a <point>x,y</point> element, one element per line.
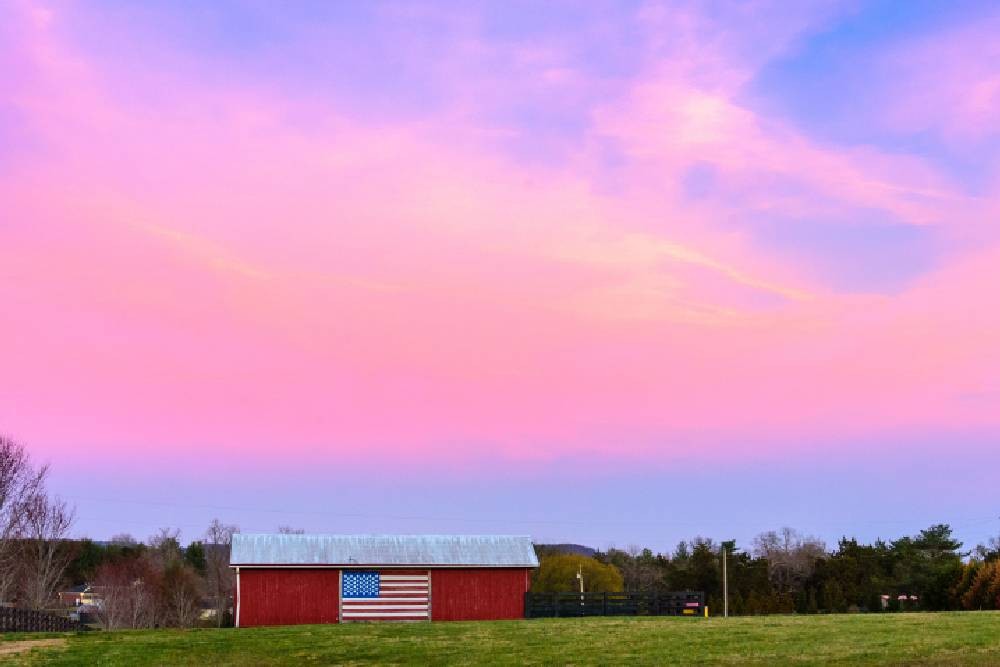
<point>362,515</point>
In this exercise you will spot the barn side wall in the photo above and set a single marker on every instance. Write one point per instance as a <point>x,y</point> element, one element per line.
<point>483,594</point>
<point>288,597</point>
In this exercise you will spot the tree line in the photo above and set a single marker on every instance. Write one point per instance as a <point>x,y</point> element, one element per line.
<point>787,572</point>
<point>156,583</point>
<point>160,583</point>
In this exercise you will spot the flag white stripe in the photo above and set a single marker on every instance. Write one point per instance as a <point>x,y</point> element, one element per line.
<point>404,591</point>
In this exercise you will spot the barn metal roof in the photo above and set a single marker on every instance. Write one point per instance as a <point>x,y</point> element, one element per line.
<point>353,550</point>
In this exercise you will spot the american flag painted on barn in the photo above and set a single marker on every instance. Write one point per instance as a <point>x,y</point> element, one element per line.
<point>385,595</point>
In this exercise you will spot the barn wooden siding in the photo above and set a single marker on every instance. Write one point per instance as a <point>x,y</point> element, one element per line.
<point>478,594</point>
<point>297,596</point>
<point>288,596</point>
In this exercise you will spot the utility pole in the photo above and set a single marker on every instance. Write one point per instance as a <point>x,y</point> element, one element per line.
<point>725,583</point>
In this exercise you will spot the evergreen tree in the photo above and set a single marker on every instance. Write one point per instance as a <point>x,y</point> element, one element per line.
<point>833,597</point>
<point>812,607</point>
<point>194,556</point>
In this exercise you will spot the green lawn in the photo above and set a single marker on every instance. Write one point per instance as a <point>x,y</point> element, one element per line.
<point>946,638</point>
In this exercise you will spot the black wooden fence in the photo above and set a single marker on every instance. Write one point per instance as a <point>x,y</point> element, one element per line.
<point>549,605</point>
<point>29,620</point>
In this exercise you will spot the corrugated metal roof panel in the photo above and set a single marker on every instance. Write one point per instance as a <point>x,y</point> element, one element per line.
<point>443,550</point>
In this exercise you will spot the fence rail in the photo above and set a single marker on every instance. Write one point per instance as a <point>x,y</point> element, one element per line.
<point>29,620</point>
<point>550,605</point>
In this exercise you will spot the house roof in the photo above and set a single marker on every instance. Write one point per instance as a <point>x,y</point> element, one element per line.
<point>82,588</point>
<point>383,550</point>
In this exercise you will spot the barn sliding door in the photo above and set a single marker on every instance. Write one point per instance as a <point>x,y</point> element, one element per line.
<point>385,595</point>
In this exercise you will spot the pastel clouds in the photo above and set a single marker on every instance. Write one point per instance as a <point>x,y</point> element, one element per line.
<point>947,83</point>
<point>200,264</point>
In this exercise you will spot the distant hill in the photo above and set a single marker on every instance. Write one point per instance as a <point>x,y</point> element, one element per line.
<point>577,549</point>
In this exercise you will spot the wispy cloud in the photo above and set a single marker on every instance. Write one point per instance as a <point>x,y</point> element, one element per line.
<point>510,253</point>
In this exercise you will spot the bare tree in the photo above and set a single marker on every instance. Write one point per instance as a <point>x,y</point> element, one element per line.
<point>988,551</point>
<point>218,575</point>
<point>168,543</point>
<point>791,557</point>
<point>44,551</point>
<point>288,530</point>
<point>638,567</point>
<point>165,548</point>
<point>19,482</point>
<point>128,589</point>
<point>180,595</point>
<point>123,540</point>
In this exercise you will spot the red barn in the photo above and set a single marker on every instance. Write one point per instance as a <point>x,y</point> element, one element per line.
<point>291,579</point>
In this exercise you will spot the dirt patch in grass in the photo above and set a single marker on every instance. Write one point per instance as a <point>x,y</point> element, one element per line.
<point>14,647</point>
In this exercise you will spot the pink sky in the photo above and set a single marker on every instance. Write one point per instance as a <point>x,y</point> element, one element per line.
<point>231,250</point>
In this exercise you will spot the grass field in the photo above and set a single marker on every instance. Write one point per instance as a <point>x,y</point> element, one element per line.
<point>948,638</point>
